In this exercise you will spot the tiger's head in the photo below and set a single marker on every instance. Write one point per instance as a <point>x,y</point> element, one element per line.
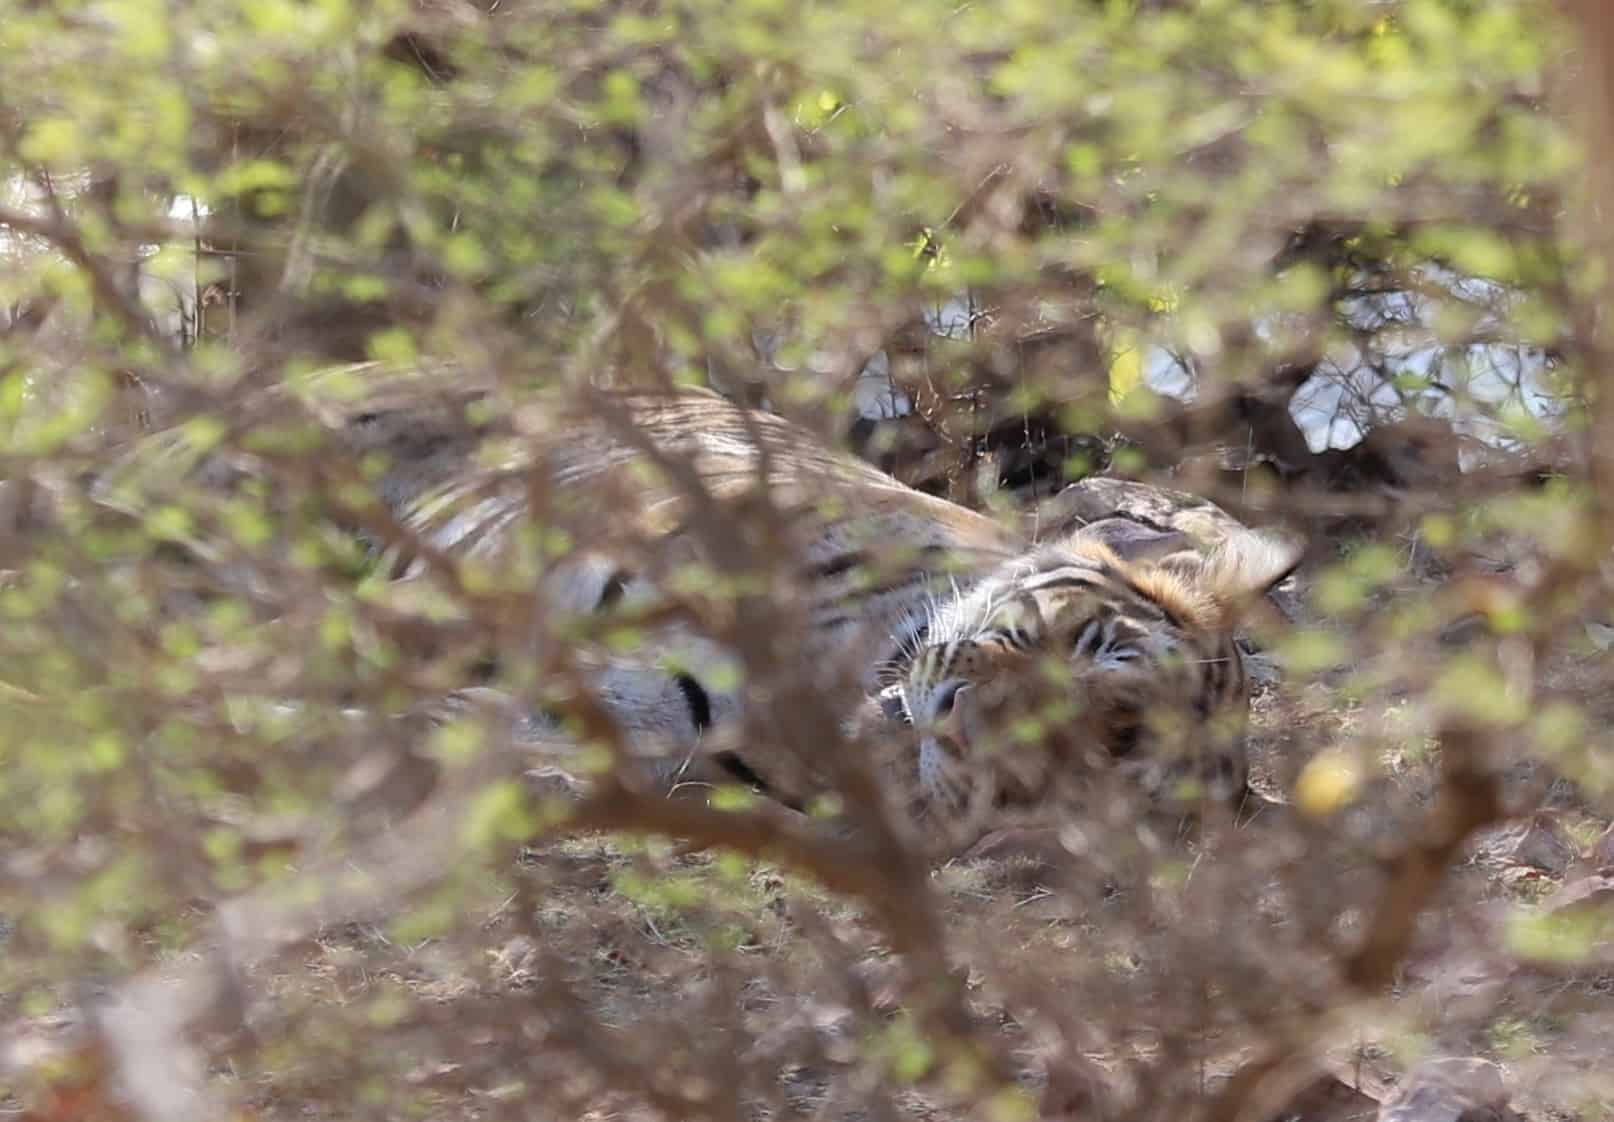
<point>1100,653</point>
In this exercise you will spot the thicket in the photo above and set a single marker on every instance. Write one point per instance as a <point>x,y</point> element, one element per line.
<point>1336,266</point>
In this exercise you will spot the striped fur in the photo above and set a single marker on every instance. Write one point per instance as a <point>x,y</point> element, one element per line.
<point>1134,660</point>
<point>1071,661</point>
<point>960,619</point>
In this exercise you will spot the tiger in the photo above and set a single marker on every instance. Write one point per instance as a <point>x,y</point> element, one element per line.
<point>1016,663</point>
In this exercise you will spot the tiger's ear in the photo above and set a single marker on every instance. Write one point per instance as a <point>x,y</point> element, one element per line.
<point>1238,572</point>
<point>1129,540</point>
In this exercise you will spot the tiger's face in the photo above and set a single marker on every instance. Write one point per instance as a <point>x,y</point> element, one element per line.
<point>1074,663</point>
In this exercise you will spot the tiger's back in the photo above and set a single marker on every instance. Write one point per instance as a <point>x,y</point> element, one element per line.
<point>864,555</point>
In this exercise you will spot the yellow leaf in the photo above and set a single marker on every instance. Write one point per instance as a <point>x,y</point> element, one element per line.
<point>1126,367</point>
<point>1327,783</point>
